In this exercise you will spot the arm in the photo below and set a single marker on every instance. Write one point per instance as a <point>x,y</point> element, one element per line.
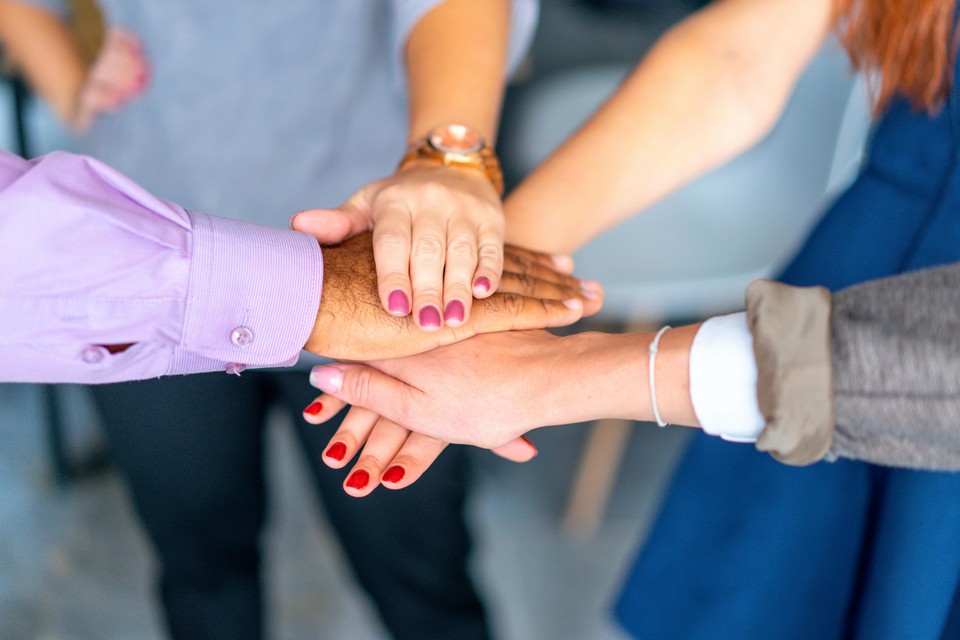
<point>46,53</point>
<point>42,47</point>
<point>438,230</point>
<point>101,282</point>
<point>710,88</point>
<point>872,374</point>
<point>894,396</point>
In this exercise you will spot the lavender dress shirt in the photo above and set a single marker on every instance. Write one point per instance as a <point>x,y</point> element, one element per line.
<point>89,258</point>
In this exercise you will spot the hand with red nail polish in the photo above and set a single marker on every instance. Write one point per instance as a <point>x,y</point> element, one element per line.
<point>388,451</point>
<point>352,325</point>
<point>491,389</point>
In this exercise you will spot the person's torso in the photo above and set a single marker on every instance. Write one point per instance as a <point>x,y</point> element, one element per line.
<point>257,109</point>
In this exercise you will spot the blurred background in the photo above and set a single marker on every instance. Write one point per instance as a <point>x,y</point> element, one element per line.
<point>554,536</point>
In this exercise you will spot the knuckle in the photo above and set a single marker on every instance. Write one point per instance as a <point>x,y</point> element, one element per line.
<point>358,385</point>
<point>463,247</point>
<point>391,234</point>
<point>491,252</point>
<point>428,246</point>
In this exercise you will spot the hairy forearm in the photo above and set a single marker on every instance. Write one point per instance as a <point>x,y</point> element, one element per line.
<point>45,52</point>
<point>710,88</point>
<point>456,59</point>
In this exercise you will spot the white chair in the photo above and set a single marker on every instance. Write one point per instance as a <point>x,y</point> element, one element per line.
<point>693,254</point>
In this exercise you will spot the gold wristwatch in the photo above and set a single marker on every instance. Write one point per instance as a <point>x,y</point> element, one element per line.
<point>458,145</point>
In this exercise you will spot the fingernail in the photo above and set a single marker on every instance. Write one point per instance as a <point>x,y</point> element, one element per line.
<point>336,451</point>
<point>534,448</point>
<point>454,312</point>
<point>573,303</point>
<point>429,317</point>
<point>562,261</point>
<point>591,289</point>
<point>394,474</point>
<point>398,303</point>
<point>313,409</point>
<point>326,378</point>
<point>481,286</point>
<point>358,480</point>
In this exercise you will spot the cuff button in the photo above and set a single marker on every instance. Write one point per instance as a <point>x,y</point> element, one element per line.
<point>92,355</point>
<point>241,337</point>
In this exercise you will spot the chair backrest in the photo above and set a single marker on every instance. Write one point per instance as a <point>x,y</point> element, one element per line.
<point>693,254</point>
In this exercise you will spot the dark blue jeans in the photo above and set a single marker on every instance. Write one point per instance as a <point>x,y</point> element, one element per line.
<point>192,450</point>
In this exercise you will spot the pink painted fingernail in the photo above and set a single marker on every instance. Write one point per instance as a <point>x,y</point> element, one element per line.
<point>398,303</point>
<point>591,289</point>
<point>336,451</point>
<point>394,474</point>
<point>358,480</point>
<point>429,317</point>
<point>481,286</point>
<point>454,312</point>
<point>326,378</point>
<point>562,261</point>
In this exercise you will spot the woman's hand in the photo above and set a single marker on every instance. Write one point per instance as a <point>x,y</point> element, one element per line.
<point>487,391</point>
<point>118,75</point>
<point>392,455</point>
<point>490,390</point>
<point>438,239</point>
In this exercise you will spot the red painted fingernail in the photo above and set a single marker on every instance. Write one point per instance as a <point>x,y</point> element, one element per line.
<point>454,312</point>
<point>398,303</point>
<point>358,480</point>
<point>313,409</point>
<point>481,285</point>
<point>336,451</point>
<point>394,474</point>
<point>429,317</point>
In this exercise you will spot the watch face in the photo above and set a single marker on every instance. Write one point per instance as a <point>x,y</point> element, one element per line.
<point>455,138</point>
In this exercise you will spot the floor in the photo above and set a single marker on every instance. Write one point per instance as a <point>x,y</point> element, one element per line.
<point>74,563</point>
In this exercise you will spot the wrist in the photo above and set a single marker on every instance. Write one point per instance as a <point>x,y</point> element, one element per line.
<point>606,374</point>
<point>610,375</point>
<point>457,146</point>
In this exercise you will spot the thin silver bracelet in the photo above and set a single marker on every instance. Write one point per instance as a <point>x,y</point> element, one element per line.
<point>654,348</point>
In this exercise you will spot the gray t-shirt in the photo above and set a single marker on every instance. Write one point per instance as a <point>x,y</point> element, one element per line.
<point>255,110</point>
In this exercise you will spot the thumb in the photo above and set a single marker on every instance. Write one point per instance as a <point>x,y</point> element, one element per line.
<point>365,387</point>
<point>517,450</point>
<point>332,226</point>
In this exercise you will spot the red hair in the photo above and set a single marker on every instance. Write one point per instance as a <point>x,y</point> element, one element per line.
<point>904,46</point>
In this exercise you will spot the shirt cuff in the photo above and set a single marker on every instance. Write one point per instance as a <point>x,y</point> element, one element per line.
<point>723,379</point>
<point>253,294</point>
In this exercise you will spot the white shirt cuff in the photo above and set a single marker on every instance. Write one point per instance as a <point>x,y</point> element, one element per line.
<point>723,379</point>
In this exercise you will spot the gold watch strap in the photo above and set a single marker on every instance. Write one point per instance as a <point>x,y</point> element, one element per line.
<point>485,160</point>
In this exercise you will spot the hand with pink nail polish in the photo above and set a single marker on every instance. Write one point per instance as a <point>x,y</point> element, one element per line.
<point>352,325</point>
<point>438,239</point>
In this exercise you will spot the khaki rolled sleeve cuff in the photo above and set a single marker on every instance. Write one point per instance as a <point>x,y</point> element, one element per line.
<point>791,338</point>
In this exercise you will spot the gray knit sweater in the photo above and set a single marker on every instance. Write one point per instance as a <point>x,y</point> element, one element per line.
<point>872,373</point>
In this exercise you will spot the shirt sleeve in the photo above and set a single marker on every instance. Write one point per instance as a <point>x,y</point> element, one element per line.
<point>723,379</point>
<point>89,259</point>
<point>523,21</point>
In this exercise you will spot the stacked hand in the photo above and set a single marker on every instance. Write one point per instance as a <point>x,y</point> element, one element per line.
<point>351,325</point>
<point>437,236</point>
